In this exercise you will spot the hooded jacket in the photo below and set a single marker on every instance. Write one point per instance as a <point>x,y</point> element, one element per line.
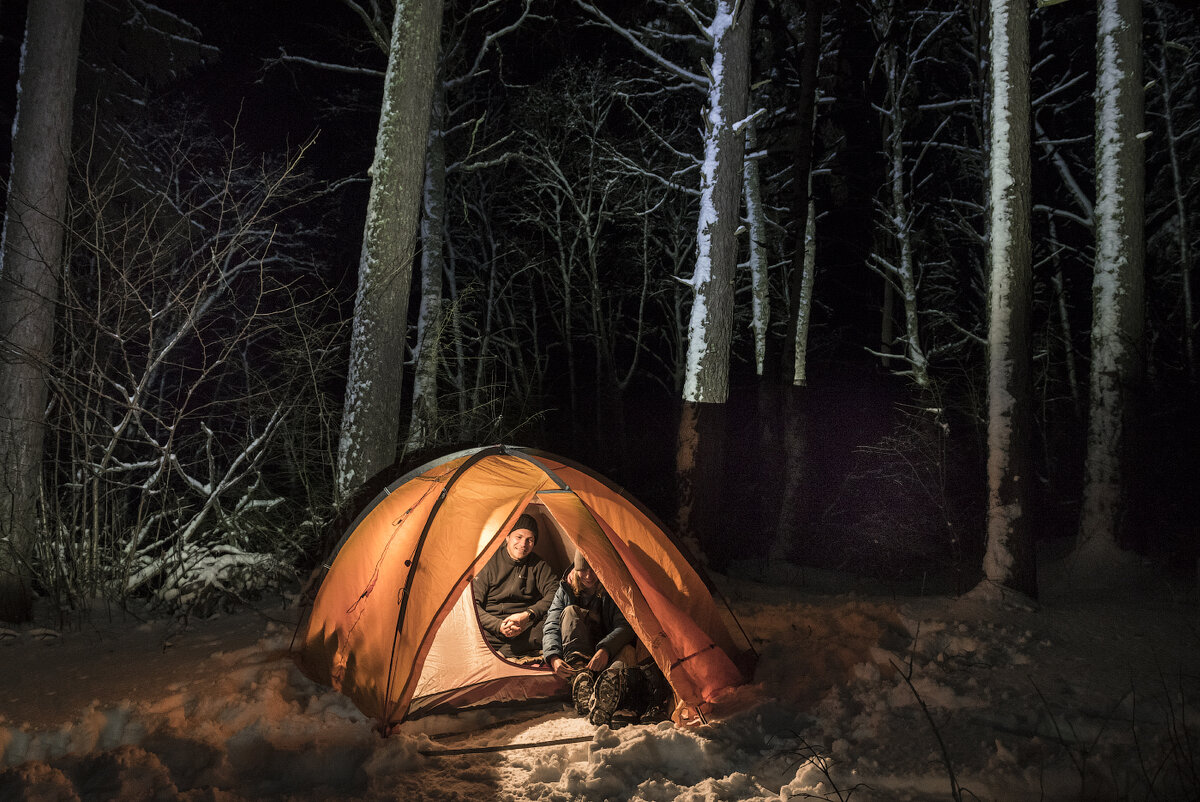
<point>617,629</point>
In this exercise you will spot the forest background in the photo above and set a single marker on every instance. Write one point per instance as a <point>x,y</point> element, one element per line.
<point>739,257</point>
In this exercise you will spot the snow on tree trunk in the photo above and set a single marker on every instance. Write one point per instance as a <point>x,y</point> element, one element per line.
<point>804,308</point>
<point>371,416</point>
<point>805,116</point>
<point>1117,288</point>
<point>1009,559</point>
<point>706,376</point>
<point>906,270</point>
<point>29,278</point>
<point>706,373</point>
<point>430,320</point>
<point>901,271</point>
<point>756,216</point>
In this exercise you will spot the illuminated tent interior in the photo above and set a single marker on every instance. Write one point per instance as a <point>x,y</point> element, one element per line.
<point>393,623</point>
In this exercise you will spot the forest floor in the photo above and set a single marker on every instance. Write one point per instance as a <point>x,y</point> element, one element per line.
<point>859,693</point>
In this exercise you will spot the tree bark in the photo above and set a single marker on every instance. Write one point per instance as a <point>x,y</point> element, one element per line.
<point>1117,293</point>
<point>706,379</point>
<point>760,279</point>
<point>430,325</point>
<point>29,279</point>
<point>710,329</point>
<point>805,113</point>
<point>371,416</point>
<point>1009,560</point>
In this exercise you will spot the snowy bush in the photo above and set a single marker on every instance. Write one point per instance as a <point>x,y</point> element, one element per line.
<point>188,447</point>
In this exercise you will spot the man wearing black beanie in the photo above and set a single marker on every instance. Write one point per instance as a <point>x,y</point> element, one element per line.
<point>513,593</point>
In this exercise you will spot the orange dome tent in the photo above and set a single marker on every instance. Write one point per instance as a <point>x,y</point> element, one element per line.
<point>393,624</point>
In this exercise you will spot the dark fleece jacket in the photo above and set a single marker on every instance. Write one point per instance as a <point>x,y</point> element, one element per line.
<point>506,586</point>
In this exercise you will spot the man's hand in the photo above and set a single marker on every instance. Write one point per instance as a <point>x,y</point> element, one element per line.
<point>599,660</point>
<point>560,668</point>
<point>515,624</point>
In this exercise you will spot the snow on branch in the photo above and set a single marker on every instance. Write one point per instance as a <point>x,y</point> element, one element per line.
<point>697,81</point>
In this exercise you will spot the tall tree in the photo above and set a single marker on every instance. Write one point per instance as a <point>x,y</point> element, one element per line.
<point>371,417</point>
<point>1176,53</point>
<point>29,278</point>
<point>725,34</point>
<point>710,328</point>
<point>423,425</point>
<point>793,371</point>
<point>1009,560</point>
<point>1117,290</point>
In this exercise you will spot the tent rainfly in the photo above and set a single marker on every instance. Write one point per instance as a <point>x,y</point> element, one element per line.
<point>393,624</point>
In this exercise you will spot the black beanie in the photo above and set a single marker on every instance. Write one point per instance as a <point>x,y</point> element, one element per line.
<point>527,521</point>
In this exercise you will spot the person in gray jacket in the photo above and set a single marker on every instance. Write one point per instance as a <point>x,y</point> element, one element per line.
<point>584,630</point>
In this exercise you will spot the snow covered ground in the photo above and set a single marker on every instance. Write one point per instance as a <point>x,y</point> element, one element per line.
<point>858,694</point>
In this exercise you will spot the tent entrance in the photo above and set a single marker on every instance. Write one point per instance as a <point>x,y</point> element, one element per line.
<point>461,669</point>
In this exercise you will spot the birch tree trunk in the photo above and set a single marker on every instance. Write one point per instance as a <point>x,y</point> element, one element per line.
<point>29,278</point>
<point>1117,291</point>
<point>806,113</point>
<point>804,308</point>
<point>1009,560</point>
<point>371,416</point>
<point>760,279</point>
<point>706,377</point>
<point>706,374</point>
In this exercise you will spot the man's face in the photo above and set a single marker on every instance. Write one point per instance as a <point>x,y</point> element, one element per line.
<point>587,577</point>
<point>519,543</point>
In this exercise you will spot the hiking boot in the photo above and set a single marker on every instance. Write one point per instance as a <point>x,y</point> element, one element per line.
<point>581,691</point>
<point>622,716</point>
<point>610,688</point>
<point>659,698</point>
<point>656,712</point>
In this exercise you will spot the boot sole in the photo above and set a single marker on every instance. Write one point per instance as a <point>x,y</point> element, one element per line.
<point>607,697</point>
<point>581,692</point>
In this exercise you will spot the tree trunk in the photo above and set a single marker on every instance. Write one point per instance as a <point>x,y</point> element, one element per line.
<point>1009,560</point>
<point>1117,292</point>
<point>430,321</point>
<point>805,113</point>
<point>804,308</point>
<point>371,417</point>
<point>902,272</point>
<point>887,324</point>
<point>760,279</point>
<point>700,459</point>
<point>29,279</point>
<point>795,506</point>
<point>1166,78</point>
<point>710,330</point>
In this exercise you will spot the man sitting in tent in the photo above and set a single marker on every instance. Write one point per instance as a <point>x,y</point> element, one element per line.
<point>513,593</point>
